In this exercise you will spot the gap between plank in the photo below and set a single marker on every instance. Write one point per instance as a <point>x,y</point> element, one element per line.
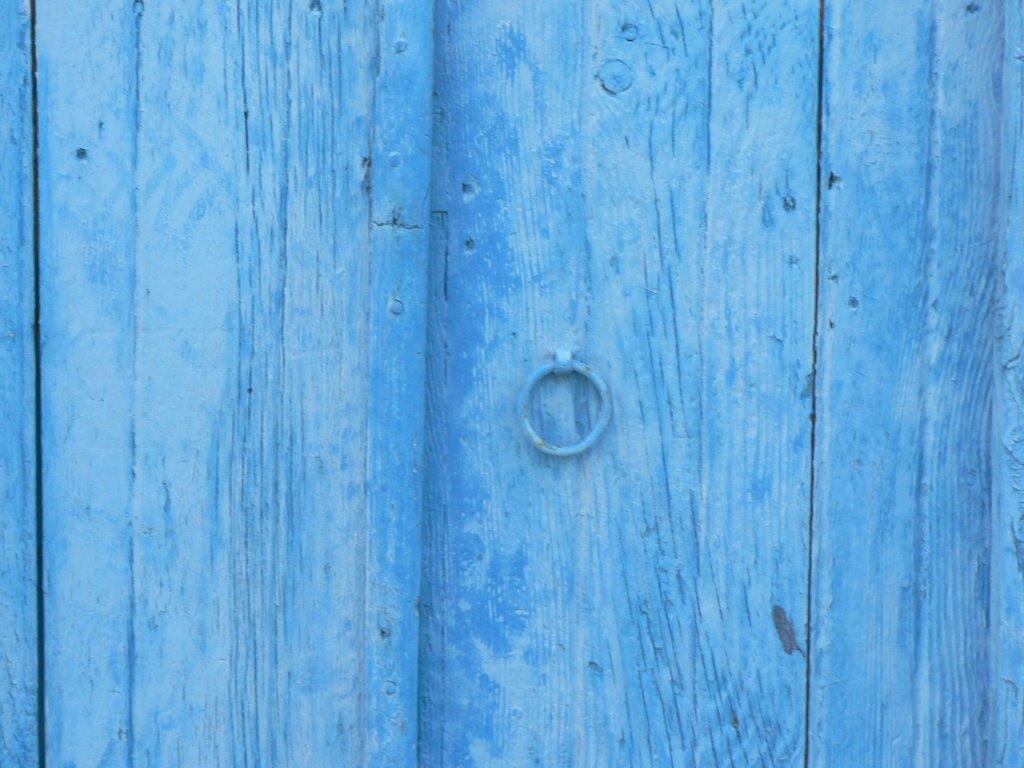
<point>38,368</point>
<point>814,380</point>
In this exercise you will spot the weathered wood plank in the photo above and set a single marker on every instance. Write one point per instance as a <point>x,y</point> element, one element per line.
<point>87,121</point>
<point>218,283</point>
<point>1007,621</point>
<point>396,364</point>
<point>900,662</point>
<point>635,181</point>
<point>18,625</point>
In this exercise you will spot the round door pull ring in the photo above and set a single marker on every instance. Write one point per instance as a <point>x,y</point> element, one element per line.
<point>564,365</point>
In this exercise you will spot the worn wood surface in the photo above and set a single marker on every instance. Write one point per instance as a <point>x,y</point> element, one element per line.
<point>1007,620</point>
<point>634,181</point>
<point>234,196</point>
<point>240,207</point>
<point>909,228</point>
<point>18,628</point>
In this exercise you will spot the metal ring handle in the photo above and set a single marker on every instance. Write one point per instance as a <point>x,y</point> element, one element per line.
<point>563,365</point>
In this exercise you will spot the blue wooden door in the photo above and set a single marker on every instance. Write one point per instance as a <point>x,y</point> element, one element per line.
<point>275,274</point>
<point>636,183</point>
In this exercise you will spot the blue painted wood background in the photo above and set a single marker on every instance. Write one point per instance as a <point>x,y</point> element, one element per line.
<point>274,273</point>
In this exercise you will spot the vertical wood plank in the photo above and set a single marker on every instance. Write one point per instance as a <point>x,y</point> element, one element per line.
<point>910,175</point>
<point>634,181</point>
<point>219,304</point>
<point>18,621</point>
<point>396,347</point>
<point>1007,683</point>
<point>87,122</point>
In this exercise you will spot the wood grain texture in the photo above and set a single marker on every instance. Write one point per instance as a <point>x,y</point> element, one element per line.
<point>396,355</point>
<point>18,630</point>
<point>231,528</point>
<point>1007,683</point>
<point>909,222</point>
<point>634,181</point>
